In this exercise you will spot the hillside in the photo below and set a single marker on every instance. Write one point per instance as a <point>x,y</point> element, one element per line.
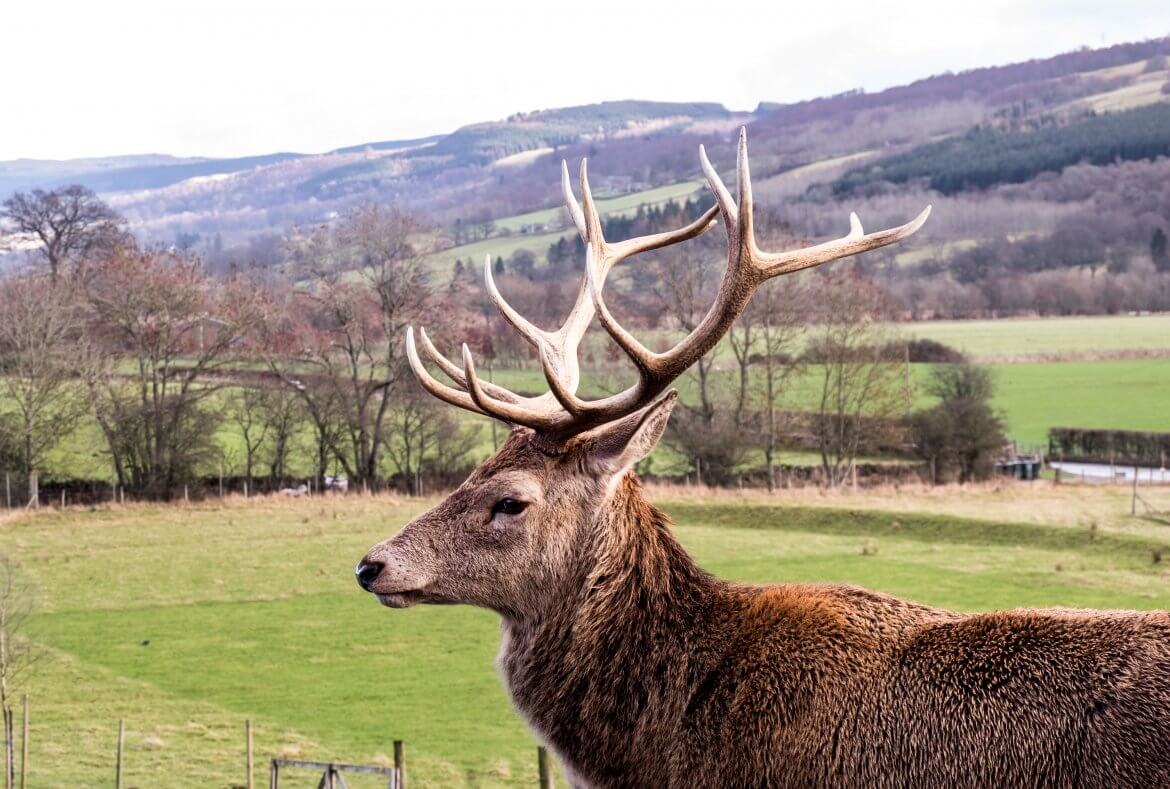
<point>1003,152</point>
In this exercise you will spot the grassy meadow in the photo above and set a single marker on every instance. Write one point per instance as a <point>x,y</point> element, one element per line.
<point>1048,339</point>
<point>184,620</point>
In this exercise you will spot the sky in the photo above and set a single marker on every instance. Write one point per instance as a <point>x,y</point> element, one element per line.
<point>245,77</point>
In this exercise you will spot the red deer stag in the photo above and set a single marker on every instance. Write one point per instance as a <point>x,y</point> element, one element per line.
<point>639,669</point>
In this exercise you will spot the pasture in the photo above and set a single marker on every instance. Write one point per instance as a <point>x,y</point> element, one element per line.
<point>184,620</point>
<point>1011,339</point>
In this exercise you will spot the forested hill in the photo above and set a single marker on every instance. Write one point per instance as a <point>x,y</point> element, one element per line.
<point>986,156</point>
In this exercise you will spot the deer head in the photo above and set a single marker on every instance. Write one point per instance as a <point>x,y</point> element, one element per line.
<point>515,531</point>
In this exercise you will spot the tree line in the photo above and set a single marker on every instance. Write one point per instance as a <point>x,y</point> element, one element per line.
<point>269,373</point>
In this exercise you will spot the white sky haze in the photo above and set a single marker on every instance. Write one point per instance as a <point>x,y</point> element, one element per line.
<point>236,78</point>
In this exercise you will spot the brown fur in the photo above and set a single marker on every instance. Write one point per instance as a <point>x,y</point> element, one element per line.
<point>639,669</point>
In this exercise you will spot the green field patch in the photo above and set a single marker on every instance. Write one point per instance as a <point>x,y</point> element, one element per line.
<point>1004,338</point>
<point>184,620</point>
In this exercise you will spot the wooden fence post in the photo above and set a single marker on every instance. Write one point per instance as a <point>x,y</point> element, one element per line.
<point>546,780</point>
<point>1133,501</point>
<point>248,750</point>
<point>400,762</point>
<point>24,744</point>
<point>8,488</point>
<point>118,763</point>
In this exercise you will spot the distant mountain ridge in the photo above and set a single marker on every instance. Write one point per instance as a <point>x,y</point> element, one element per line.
<point>478,143</point>
<point>496,169</point>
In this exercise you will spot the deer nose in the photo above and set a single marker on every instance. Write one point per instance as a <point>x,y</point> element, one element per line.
<point>367,572</point>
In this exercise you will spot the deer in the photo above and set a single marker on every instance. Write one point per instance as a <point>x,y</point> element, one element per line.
<point>637,668</point>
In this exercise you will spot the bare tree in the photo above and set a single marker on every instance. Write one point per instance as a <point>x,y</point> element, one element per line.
<point>283,415</point>
<point>70,224</point>
<point>777,317</point>
<point>425,438</point>
<point>40,323</point>
<point>366,282</point>
<point>861,382</point>
<point>161,331</point>
<point>247,409</point>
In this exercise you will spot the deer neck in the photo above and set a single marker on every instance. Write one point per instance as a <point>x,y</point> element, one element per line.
<point>601,662</point>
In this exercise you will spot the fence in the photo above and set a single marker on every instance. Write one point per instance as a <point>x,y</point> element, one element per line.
<point>331,772</point>
<point>1113,447</point>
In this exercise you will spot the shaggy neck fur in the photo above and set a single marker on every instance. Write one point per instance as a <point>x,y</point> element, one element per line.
<point>601,671</point>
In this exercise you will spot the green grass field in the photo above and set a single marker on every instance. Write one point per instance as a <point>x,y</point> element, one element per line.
<point>1006,338</point>
<point>1120,395</point>
<point>608,206</point>
<point>538,243</point>
<point>186,620</point>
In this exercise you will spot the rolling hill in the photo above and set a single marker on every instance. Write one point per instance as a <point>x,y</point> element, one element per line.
<point>999,150</point>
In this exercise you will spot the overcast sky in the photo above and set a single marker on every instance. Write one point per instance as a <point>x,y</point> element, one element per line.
<point>231,78</point>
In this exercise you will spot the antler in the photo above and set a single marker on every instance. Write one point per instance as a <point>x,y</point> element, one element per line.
<point>557,349</point>
<point>559,412</point>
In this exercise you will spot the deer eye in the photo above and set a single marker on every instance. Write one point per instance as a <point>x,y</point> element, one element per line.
<point>509,507</point>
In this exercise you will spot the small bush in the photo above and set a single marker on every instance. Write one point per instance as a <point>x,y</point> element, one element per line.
<point>933,352</point>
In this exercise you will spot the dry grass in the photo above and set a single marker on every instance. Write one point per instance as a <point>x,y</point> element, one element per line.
<point>1041,502</point>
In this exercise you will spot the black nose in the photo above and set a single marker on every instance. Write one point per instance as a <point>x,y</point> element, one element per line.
<point>367,572</point>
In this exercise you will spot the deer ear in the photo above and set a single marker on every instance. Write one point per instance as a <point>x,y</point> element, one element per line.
<point>616,447</point>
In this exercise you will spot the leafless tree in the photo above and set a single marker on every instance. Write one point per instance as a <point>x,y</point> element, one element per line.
<point>160,335</point>
<point>366,282</point>
<point>427,437</point>
<point>40,323</point>
<point>777,318</point>
<point>283,415</point>
<point>247,409</point>
<point>70,224</point>
<point>862,387</point>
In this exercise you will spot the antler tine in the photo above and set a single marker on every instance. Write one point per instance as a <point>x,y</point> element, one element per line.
<point>571,204</point>
<point>455,374</point>
<point>588,208</point>
<point>563,393</point>
<point>774,264</point>
<point>440,390</point>
<point>508,412</point>
<point>723,199</point>
<point>620,250</point>
<point>640,355</point>
<point>444,364</point>
<point>531,333</point>
<point>743,175</point>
